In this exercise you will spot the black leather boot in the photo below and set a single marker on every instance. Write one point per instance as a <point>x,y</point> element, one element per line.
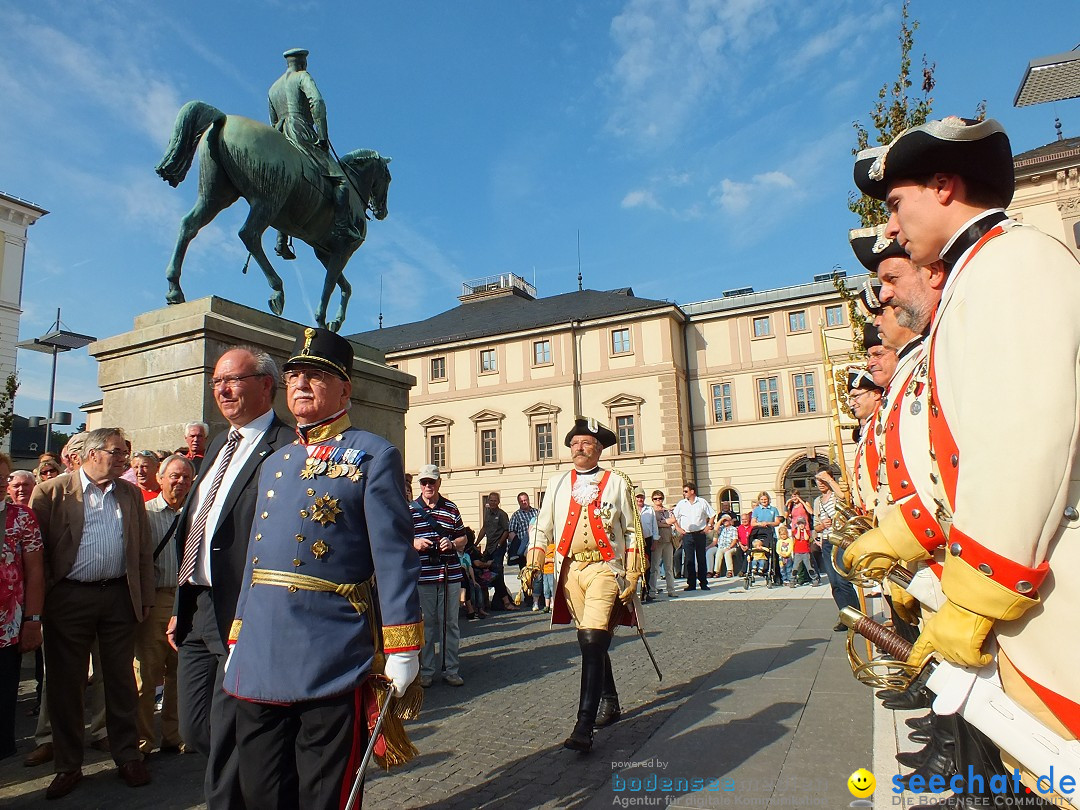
<point>594,645</point>
<point>914,697</point>
<point>938,758</point>
<point>920,723</point>
<point>282,248</point>
<point>610,710</point>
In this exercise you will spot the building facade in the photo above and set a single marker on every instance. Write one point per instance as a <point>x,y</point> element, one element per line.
<point>16,217</point>
<point>729,393</point>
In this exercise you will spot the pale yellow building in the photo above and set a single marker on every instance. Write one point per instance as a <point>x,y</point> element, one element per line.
<point>1048,190</point>
<point>730,393</point>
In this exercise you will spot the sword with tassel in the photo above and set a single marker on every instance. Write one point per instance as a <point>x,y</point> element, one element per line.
<point>358,780</point>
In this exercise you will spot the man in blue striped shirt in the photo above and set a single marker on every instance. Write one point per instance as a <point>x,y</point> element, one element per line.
<point>438,536</point>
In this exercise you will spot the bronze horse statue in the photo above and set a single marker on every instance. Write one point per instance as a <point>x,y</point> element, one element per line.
<point>239,157</point>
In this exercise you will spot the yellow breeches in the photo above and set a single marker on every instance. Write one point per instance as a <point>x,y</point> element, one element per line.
<point>591,591</point>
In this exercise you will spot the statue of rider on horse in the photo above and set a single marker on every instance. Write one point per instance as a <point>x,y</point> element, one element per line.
<point>289,178</point>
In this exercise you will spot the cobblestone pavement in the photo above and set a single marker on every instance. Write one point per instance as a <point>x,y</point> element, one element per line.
<point>497,741</point>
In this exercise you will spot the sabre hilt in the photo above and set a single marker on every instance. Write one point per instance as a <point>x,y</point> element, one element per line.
<point>888,673</point>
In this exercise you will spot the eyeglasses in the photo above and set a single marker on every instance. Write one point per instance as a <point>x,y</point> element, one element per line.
<point>658,499</point>
<point>313,375</point>
<point>115,453</point>
<point>232,379</point>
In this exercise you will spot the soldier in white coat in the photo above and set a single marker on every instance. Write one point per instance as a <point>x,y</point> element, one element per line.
<point>1012,571</point>
<point>590,516</point>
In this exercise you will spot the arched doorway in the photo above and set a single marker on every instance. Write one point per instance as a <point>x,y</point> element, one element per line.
<point>728,501</point>
<point>800,475</point>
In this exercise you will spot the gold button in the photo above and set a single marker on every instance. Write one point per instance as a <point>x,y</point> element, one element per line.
<point>296,562</point>
<point>258,536</point>
<point>311,492</point>
<point>277,474</point>
<point>292,588</point>
<point>303,513</point>
<point>299,538</point>
<point>254,560</point>
<point>286,456</point>
<point>269,493</point>
<point>265,515</point>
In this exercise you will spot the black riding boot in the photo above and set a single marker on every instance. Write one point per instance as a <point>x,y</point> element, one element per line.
<point>594,645</point>
<point>609,702</point>
<point>936,759</point>
<point>344,230</point>
<point>282,248</point>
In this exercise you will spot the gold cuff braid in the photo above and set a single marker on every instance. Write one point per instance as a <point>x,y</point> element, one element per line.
<point>403,636</point>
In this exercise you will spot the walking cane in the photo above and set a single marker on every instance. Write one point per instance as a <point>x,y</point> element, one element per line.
<point>445,616</point>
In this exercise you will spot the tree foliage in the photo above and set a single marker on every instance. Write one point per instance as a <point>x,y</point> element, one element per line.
<point>895,111</point>
<point>7,404</point>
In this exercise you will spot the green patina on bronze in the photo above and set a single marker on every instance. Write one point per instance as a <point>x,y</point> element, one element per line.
<point>289,178</point>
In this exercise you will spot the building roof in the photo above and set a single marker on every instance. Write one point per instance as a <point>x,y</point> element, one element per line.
<point>1051,152</point>
<point>767,297</point>
<point>508,313</point>
<point>11,198</point>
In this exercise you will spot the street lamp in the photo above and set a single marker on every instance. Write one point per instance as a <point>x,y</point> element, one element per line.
<point>53,342</point>
<point>1052,78</point>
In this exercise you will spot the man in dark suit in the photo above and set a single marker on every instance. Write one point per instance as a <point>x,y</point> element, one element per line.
<point>211,550</point>
<point>99,565</point>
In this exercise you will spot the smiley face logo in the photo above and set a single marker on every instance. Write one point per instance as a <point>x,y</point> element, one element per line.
<point>861,783</point>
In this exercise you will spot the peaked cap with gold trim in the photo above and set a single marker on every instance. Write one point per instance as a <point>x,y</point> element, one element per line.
<point>323,349</point>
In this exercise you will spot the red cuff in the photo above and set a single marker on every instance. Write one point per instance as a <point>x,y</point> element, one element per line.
<point>1005,572</point>
<point>922,523</point>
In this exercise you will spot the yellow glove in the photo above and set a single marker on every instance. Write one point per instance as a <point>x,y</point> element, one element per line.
<point>974,602</point>
<point>956,634</point>
<point>627,593</point>
<point>904,604</point>
<point>528,573</point>
<point>892,539</point>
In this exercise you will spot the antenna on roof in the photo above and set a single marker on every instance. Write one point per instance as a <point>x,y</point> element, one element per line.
<point>380,300</point>
<point>579,260</point>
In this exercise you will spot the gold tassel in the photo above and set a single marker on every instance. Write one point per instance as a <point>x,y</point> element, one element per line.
<point>639,539</point>
<point>399,749</point>
<point>408,705</point>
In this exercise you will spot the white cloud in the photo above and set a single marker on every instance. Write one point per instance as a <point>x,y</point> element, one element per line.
<point>736,197</point>
<point>640,198</point>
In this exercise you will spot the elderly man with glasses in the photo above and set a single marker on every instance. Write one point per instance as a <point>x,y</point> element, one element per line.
<point>100,585</point>
<point>211,545</point>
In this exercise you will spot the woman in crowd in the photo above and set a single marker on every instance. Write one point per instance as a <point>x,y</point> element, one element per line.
<point>22,596</point>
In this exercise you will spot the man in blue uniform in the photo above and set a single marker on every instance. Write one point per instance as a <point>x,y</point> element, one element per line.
<point>312,626</point>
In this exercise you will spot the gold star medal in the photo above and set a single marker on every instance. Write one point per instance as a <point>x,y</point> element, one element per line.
<point>318,548</point>
<point>325,510</point>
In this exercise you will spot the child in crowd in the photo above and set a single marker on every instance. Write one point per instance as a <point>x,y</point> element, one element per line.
<point>470,588</point>
<point>784,550</point>
<point>760,557</point>
<point>549,577</point>
<point>800,535</point>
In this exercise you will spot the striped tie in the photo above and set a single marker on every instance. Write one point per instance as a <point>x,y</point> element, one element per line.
<point>198,528</point>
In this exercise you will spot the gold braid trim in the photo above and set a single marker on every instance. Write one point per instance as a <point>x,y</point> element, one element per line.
<point>399,749</point>
<point>403,636</point>
<point>638,566</point>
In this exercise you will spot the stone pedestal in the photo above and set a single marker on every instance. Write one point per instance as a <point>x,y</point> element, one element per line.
<point>155,378</point>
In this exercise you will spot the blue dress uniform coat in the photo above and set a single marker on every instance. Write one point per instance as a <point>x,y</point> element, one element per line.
<point>340,517</point>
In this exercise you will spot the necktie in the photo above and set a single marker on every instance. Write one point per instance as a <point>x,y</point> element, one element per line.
<point>198,526</point>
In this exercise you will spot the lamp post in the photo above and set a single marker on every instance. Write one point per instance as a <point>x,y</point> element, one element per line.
<point>53,342</point>
<point>1051,78</point>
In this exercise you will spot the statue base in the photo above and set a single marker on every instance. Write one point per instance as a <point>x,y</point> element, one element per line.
<point>155,378</point>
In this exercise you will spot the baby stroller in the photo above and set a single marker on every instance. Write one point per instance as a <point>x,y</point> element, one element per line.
<point>765,554</point>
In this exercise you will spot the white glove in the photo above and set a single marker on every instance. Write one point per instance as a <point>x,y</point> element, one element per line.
<point>402,668</point>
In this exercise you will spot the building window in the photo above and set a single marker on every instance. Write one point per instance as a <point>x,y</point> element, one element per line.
<point>437,450</point>
<point>721,401</point>
<point>489,448</point>
<point>762,326</point>
<point>542,353</point>
<point>620,341</point>
<point>729,502</point>
<point>769,397</point>
<point>488,363</point>
<point>834,315</point>
<point>545,444</point>
<point>624,428</point>
<point>797,321</point>
<point>438,370</point>
<point>805,397</point>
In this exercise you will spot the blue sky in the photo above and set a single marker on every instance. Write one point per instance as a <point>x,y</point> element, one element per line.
<point>696,145</point>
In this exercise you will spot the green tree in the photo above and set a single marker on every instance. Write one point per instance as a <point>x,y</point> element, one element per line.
<point>7,404</point>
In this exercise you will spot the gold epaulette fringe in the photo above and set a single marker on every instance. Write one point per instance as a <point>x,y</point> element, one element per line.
<point>639,541</point>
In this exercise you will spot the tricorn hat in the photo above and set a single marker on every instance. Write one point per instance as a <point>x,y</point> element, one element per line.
<point>590,427</point>
<point>871,337</point>
<point>860,378</point>
<point>323,349</point>
<point>872,247</point>
<point>977,150</point>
